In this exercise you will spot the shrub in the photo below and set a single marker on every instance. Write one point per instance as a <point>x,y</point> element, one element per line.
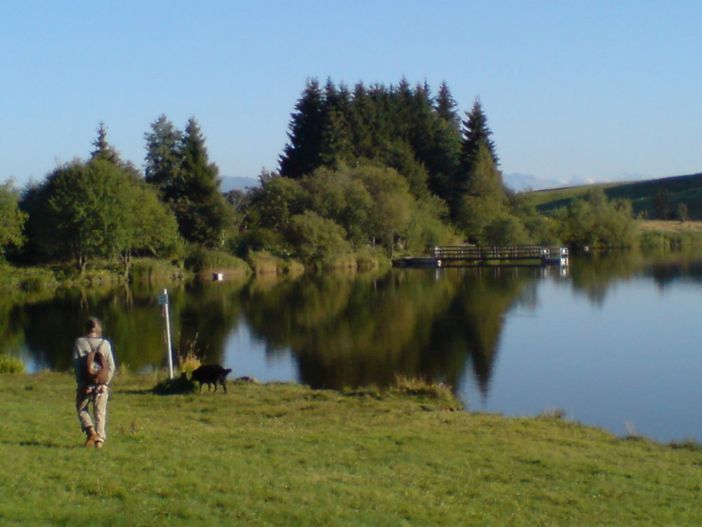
<point>265,263</point>
<point>371,258</point>
<point>317,238</point>
<point>508,230</point>
<point>10,364</point>
<point>148,269</point>
<point>201,260</point>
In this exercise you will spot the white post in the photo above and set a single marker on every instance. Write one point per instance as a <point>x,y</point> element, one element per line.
<point>163,300</point>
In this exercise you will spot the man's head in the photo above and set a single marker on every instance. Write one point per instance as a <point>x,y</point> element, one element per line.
<point>93,326</point>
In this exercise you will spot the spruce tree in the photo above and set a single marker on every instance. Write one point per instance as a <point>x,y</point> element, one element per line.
<point>475,135</point>
<point>475,131</point>
<point>361,122</point>
<point>301,154</point>
<point>103,150</point>
<point>163,160</point>
<point>336,143</point>
<point>446,106</point>
<point>203,214</point>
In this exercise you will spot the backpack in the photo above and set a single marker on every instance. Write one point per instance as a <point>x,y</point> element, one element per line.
<point>96,371</point>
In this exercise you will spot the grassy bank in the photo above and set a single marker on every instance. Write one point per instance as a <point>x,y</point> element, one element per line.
<point>659,234</point>
<point>287,455</point>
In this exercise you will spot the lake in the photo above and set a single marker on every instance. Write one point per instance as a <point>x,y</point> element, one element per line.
<point>612,341</point>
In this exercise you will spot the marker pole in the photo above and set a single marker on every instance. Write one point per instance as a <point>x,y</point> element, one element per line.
<point>163,300</point>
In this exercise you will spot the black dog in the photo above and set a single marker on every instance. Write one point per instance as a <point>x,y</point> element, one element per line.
<point>211,374</point>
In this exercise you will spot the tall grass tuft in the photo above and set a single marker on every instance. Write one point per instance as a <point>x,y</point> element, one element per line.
<point>437,392</point>
<point>9,364</point>
<point>190,359</point>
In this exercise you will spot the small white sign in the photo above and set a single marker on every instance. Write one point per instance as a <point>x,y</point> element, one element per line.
<point>163,299</point>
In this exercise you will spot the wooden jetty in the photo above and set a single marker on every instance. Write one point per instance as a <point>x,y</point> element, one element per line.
<point>469,255</point>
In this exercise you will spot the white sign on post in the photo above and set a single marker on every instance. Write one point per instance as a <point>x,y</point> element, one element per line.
<point>163,302</point>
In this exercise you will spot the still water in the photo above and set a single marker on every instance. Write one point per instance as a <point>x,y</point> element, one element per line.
<point>613,342</point>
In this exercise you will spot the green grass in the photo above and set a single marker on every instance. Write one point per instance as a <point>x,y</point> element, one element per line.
<point>681,189</point>
<point>283,454</point>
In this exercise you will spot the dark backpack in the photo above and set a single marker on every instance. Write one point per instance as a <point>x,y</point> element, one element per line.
<point>96,370</point>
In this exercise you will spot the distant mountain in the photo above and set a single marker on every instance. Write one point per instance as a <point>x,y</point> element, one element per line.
<point>520,182</point>
<point>237,183</point>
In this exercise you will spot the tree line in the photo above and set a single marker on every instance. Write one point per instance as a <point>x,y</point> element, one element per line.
<point>391,168</point>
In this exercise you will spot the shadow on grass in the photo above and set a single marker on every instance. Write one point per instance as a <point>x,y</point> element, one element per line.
<point>43,444</point>
<point>178,386</point>
<point>145,391</point>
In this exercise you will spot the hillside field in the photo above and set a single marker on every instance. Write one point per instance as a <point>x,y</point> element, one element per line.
<point>641,194</point>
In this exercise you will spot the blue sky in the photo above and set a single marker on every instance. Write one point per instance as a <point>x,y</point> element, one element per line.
<point>573,91</point>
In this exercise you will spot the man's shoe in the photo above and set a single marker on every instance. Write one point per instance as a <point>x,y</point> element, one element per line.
<point>98,443</point>
<point>92,437</point>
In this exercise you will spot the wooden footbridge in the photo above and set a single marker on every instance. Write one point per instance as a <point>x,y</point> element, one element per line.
<point>469,255</point>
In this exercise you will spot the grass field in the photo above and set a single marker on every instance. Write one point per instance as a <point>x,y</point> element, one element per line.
<point>283,454</point>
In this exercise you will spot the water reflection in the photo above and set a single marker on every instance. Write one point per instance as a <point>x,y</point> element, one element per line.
<point>342,330</point>
<point>368,330</point>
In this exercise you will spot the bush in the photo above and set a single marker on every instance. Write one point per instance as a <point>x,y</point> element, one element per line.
<point>317,238</point>
<point>148,269</point>
<point>597,222</point>
<point>371,258</point>
<point>265,263</point>
<point>10,364</point>
<point>201,260</point>
<point>506,231</point>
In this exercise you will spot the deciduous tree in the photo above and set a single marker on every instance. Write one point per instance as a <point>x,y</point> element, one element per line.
<point>12,219</point>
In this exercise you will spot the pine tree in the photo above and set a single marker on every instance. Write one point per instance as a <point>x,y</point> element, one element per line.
<point>103,150</point>
<point>301,154</point>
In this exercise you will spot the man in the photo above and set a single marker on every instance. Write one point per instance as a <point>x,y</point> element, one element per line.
<point>89,390</point>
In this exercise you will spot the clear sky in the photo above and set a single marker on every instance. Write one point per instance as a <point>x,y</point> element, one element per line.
<point>573,90</point>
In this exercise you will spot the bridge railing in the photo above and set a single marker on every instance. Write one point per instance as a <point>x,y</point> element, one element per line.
<point>509,252</point>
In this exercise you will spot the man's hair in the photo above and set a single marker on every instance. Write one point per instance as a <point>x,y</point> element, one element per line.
<point>92,325</point>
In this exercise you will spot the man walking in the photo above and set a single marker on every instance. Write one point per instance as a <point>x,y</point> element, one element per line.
<point>92,387</point>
